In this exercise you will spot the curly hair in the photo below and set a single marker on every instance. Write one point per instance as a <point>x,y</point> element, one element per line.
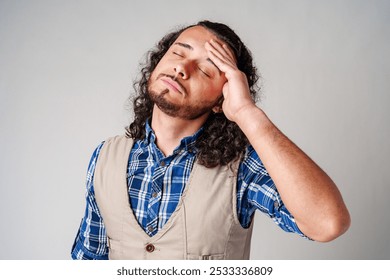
<point>222,141</point>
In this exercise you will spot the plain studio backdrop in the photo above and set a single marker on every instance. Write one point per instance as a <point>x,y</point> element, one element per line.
<point>67,68</point>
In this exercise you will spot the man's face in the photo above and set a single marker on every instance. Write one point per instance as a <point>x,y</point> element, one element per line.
<point>186,83</point>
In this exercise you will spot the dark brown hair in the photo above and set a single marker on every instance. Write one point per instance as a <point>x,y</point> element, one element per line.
<point>222,141</point>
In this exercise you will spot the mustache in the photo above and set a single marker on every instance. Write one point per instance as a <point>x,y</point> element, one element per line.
<point>173,78</point>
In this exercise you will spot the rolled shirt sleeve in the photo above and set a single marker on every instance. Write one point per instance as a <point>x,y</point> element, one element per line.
<point>256,190</point>
<point>91,241</point>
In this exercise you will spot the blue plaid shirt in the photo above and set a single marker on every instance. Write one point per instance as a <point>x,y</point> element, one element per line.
<point>155,190</point>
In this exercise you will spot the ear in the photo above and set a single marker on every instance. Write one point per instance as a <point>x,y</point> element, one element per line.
<point>217,109</point>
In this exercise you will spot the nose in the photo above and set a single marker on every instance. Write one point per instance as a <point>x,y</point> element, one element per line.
<point>181,70</point>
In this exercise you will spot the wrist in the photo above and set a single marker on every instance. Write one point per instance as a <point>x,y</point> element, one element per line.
<point>252,120</point>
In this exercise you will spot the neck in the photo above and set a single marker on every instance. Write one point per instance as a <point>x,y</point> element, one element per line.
<point>170,130</point>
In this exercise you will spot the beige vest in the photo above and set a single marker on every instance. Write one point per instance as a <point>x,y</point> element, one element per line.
<point>203,226</point>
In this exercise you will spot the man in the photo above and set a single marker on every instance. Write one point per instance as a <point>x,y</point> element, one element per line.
<point>185,181</point>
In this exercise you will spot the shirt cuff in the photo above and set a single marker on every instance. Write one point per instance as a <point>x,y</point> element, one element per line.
<point>79,252</point>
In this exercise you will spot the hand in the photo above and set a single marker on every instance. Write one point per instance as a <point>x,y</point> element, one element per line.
<point>236,90</point>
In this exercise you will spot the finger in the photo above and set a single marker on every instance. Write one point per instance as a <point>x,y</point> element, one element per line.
<point>211,49</point>
<point>215,55</point>
<point>220,63</point>
<point>223,49</point>
<point>217,49</point>
<point>230,52</point>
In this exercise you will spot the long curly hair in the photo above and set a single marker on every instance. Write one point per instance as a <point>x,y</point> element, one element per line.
<point>222,141</point>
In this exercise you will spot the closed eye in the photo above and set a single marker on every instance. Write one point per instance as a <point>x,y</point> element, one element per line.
<point>205,73</point>
<point>175,53</point>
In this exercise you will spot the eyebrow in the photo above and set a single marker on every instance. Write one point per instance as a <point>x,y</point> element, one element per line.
<point>189,47</point>
<point>184,45</point>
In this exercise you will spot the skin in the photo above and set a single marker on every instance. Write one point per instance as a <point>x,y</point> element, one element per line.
<point>307,191</point>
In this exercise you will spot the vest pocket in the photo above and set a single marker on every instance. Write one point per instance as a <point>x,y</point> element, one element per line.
<point>206,257</point>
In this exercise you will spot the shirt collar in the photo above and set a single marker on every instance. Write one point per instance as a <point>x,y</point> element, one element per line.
<point>187,143</point>
<point>150,137</point>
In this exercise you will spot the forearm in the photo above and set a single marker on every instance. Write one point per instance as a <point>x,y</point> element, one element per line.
<point>307,191</point>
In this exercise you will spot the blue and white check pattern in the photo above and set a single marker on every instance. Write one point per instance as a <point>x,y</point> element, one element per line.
<point>155,185</point>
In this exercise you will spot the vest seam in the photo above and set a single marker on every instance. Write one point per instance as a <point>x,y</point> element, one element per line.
<point>234,178</point>
<point>185,253</point>
<point>228,239</point>
<point>233,193</point>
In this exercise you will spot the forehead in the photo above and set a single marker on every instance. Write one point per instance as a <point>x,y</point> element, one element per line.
<point>197,36</point>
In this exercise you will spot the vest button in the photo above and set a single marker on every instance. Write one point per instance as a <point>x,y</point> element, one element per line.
<point>150,248</point>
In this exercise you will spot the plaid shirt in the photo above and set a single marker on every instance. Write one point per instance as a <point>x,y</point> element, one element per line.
<point>155,190</point>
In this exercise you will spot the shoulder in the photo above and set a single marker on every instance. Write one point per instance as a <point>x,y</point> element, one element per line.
<point>118,141</point>
<point>109,142</point>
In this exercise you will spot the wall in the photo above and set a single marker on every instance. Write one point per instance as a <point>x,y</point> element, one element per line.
<point>66,70</point>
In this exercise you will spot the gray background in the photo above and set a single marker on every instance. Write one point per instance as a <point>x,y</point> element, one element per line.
<point>66,69</point>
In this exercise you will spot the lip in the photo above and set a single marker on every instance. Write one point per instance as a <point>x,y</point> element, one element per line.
<point>174,85</point>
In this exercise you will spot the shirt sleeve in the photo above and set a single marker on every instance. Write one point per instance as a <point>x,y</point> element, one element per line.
<point>256,190</point>
<point>91,242</point>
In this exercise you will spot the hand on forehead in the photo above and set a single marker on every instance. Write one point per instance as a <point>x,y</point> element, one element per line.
<point>196,37</point>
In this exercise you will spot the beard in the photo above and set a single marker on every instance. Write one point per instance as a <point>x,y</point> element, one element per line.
<point>182,111</point>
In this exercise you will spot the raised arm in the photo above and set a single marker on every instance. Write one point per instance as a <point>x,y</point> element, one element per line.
<point>306,190</point>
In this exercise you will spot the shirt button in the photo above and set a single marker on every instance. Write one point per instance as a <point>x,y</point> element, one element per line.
<point>162,163</point>
<point>276,204</point>
<point>154,194</point>
<point>150,248</point>
<point>150,228</point>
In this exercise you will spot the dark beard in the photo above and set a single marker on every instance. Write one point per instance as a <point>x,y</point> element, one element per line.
<point>187,112</point>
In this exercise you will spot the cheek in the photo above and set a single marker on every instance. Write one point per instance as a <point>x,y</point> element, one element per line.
<point>210,91</point>
<point>152,81</point>
<point>158,69</point>
<point>154,74</point>
<point>218,85</point>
